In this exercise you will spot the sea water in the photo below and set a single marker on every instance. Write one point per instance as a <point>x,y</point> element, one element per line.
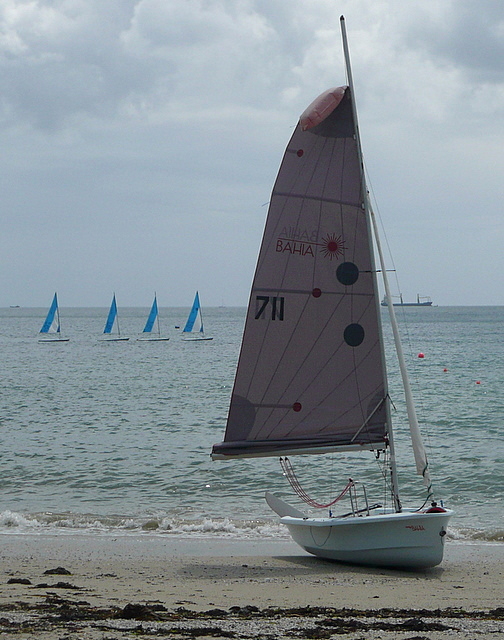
<point>115,437</point>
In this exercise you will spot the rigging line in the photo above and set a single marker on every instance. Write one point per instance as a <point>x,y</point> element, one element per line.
<point>366,421</point>
<point>420,397</point>
<point>296,485</point>
<point>384,471</point>
<point>383,233</point>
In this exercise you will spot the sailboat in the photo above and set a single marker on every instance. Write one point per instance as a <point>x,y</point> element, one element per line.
<point>193,329</point>
<point>113,320</point>
<point>311,376</point>
<point>152,319</point>
<point>52,324</point>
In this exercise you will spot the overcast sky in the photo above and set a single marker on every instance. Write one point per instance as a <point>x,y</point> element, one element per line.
<point>140,140</point>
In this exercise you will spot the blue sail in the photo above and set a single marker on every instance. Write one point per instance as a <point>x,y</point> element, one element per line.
<point>195,315</point>
<point>111,316</point>
<point>152,317</point>
<point>51,324</point>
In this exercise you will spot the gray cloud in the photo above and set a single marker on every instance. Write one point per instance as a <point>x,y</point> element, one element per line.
<point>141,138</point>
<point>467,35</point>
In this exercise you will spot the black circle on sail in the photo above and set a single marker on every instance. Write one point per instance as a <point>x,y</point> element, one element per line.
<point>347,273</point>
<point>354,334</point>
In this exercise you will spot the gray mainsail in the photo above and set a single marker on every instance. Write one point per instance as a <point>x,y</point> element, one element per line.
<point>311,372</point>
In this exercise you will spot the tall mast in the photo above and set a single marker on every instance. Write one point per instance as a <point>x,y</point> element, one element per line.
<point>58,329</point>
<point>157,316</point>
<point>416,438</point>
<point>368,212</point>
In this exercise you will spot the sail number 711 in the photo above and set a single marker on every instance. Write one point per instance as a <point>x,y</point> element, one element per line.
<point>275,302</point>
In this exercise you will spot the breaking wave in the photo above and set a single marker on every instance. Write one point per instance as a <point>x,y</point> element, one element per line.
<point>12,522</point>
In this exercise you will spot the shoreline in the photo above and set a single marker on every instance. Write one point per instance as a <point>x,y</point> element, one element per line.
<point>181,571</point>
<point>99,587</point>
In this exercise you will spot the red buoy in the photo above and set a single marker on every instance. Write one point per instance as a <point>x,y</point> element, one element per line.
<point>421,355</point>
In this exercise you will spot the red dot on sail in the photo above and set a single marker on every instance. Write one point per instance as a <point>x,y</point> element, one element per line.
<point>316,293</point>
<point>300,153</point>
<point>297,406</point>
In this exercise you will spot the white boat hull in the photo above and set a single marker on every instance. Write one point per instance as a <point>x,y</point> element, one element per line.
<point>408,539</point>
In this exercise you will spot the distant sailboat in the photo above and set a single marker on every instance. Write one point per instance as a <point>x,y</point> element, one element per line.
<point>311,376</point>
<point>52,324</point>
<point>193,329</point>
<point>112,320</point>
<point>149,325</point>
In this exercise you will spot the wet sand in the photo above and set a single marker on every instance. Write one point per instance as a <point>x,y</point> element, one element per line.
<point>225,582</point>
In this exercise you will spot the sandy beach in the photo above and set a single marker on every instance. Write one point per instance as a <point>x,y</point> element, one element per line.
<point>112,587</point>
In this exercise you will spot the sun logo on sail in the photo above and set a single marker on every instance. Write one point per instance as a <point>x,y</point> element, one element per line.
<point>332,246</point>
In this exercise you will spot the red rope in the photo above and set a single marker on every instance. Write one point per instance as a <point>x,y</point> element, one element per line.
<point>295,484</point>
